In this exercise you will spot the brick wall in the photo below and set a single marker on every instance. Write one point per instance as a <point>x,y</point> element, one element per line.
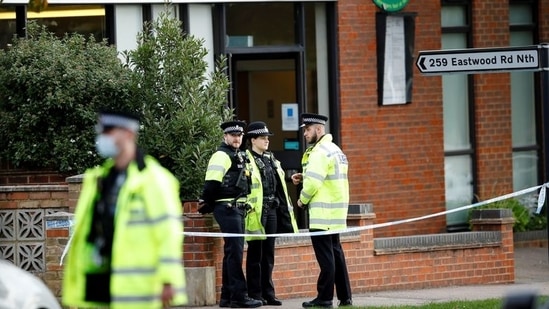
<point>33,197</point>
<point>543,23</point>
<point>370,268</point>
<point>25,239</point>
<point>9,175</point>
<point>530,239</point>
<point>198,251</point>
<point>395,153</point>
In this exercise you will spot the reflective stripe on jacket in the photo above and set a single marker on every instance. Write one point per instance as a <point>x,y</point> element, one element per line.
<point>225,166</point>
<point>325,185</point>
<point>147,244</point>
<point>255,199</point>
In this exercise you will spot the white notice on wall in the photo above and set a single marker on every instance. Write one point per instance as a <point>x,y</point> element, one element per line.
<point>394,73</point>
<point>290,119</point>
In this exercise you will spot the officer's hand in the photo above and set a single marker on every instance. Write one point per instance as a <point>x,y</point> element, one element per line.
<point>167,295</point>
<point>297,178</point>
<point>204,208</point>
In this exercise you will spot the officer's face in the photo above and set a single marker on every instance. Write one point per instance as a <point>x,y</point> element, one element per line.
<point>260,143</point>
<point>310,133</point>
<point>233,139</point>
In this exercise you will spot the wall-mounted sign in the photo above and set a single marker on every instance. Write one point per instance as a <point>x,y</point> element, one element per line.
<point>391,5</point>
<point>290,118</point>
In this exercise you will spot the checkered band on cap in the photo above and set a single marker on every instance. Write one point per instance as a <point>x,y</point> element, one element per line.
<point>112,120</point>
<point>234,129</point>
<point>261,131</point>
<point>314,120</point>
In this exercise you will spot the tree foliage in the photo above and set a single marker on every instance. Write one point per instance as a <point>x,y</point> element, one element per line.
<point>182,104</point>
<point>50,90</point>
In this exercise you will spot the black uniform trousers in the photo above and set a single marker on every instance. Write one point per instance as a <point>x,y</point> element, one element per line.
<point>260,259</point>
<point>333,268</point>
<point>231,220</point>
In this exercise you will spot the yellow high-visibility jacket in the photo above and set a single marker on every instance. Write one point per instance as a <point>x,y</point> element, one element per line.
<point>325,185</point>
<point>147,242</point>
<point>285,214</point>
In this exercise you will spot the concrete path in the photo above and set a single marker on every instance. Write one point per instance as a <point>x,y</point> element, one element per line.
<point>531,276</point>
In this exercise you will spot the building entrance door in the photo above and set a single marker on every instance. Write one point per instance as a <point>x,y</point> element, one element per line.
<point>263,88</point>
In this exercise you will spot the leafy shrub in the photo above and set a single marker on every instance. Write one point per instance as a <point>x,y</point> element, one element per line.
<point>537,221</point>
<point>50,91</point>
<point>524,219</point>
<point>182,106</point>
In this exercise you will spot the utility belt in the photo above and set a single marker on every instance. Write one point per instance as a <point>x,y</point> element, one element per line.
<point>231,203</point>
<point>270,202</point>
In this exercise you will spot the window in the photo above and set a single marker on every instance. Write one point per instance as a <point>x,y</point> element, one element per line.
<point>59,19</point>
<point>7,25</point>
<point>457,119</point>
<point>62,19</point>
<point>256,24</point>
<point>524,118</point>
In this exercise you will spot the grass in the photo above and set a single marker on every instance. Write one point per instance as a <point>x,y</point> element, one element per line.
<point>474,304</point>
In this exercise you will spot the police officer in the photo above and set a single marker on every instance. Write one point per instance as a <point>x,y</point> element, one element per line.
<point>326,195</point>
<point>271,212</point>
<point>225,192</point>
<point>126,248</point>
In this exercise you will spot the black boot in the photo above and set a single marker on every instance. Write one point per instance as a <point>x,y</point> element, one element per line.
<point>317,303</point>
<point>246,302</point>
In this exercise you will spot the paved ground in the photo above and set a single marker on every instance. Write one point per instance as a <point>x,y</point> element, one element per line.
<point>531,276</point>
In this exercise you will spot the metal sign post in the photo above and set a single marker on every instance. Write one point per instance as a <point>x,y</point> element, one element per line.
<point>544,80</point>
<point>490,60</point>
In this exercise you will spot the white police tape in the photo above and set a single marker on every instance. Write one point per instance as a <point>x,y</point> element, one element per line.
<point>541,201</point>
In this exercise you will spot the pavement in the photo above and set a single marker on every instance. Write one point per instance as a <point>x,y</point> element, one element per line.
<point>531,276</point>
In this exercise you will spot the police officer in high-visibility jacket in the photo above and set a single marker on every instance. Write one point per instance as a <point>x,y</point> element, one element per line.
<point>326,195</point>
<point>227,184</point>
<point>271,212</point>
<point>126,248</point>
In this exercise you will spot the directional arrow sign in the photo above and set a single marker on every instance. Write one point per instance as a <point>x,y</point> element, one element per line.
<point>479,60</point>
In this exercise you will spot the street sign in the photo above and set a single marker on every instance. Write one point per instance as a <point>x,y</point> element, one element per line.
<point>479,60</point>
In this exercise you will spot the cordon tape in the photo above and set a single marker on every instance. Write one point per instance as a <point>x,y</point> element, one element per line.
<point>540,203</point>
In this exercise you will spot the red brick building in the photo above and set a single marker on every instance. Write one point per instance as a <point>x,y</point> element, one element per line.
<point>457,139</point>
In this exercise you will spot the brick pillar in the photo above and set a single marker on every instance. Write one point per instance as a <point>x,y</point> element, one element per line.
<point>363,215</point>
<point>198,257</point>
<point>58,227</point>
<point>492,104</point>
<point>75,185</point>
<point>500,220</point>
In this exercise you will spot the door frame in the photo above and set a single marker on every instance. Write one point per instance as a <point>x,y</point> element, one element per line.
<point>300,78</point>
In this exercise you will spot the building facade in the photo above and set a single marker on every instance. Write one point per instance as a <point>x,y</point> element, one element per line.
<point>416,144</point>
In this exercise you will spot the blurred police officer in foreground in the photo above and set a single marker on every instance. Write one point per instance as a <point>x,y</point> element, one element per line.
<point>225,192</point>
<point>126,250</point>
<point>271,212</point>
<point>326,195</point>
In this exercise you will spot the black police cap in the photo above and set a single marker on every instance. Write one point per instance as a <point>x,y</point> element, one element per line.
<point>308,119</point>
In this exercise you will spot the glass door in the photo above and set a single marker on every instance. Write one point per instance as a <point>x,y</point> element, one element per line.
<point>263,87</point>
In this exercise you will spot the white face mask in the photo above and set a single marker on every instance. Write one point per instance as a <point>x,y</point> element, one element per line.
<point>106,146</point>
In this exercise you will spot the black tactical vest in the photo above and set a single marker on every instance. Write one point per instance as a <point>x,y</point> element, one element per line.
<point>267,169</point>
<point>236,182</point>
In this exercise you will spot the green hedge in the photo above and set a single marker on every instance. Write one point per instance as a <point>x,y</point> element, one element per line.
<point>51,89</point>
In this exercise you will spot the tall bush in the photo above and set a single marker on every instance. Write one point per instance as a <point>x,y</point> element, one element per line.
<point>50,90</point>
<point>183,105</point>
